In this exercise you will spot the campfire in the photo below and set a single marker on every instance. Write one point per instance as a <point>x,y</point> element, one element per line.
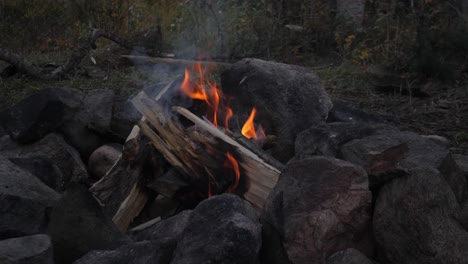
<point>189,125</point>
<point>204,149</point>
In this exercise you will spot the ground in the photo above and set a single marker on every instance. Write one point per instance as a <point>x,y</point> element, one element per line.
<point>443,113</point>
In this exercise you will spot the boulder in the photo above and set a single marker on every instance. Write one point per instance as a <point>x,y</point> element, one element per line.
<point>415,221</point>
<point>124,117</point>
<point>103,159</point>
<point>170,229</point>
<point>349,256</point>
<point>94,116</point>
<point>36,249</point>
<point>221,229</point>
<point>288,98</point>
<point>144,252</point>
<point>52,148</point>
<point>78,225</point>
<point>24,201</point>
<point>44,169</point>
<point>462,162</point>
<point>394,152</point>
<point>464,215</point>
<point>319,206</point>
<point>40,113</point>
<point>326,139</point>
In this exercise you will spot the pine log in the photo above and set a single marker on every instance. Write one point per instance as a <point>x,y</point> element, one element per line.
<point>200,153</point>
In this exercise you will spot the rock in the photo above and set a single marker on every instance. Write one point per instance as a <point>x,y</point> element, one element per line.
<point>43,169</point>
<point>415,221</point>
<point>24,201</point>
<point>51,148</point>
<point>407,150</point>
<point>94,116</point>
<point>124,117</point>
<point>438,140</point>
<point>145,252</point>
<point>349,256</point>
<point>170,229</point>
<point>464,215</point>
<point>98,105</point>
<point>319,206</point>
<point>351,11</point>
<point>78,225</point>
<point>40,113</point>
<point>343,112</point>
<point>103,159</point>
<point>326,139</point>
<point>462,162</point>
<point>36,249</point>
<point>288,98</point>
<point>221,229</point>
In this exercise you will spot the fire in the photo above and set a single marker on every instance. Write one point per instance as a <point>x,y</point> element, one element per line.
<point>206,91</point>
<point>218,113</point>
<point>231,163</point>
<point>248,130</point>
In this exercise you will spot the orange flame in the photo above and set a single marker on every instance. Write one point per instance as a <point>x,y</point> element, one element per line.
<point>231,163</point>
<point>204,90</point>
<point>229,114</point>
<point>199,91</point>
<point>248,130</point>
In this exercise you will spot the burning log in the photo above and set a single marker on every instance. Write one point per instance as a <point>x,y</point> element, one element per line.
<point>203,152</point>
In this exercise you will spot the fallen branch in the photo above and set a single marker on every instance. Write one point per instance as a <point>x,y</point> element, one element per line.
<point>184,62</point>
<point>75,59</point>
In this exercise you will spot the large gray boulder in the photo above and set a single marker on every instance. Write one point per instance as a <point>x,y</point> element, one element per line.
<point>44,169</point>
<point>78,225</point>
<point>24,201</point>
<point>327,139</point>
<point>404,150</point>
<point>144,252</point>
<point>52,148</point>
<point>462,162</point>
<point>36,249</point>
<point>349,256</point>
<point>93,118</point>
<point>221,229</point>
<point>288,98</point>
<point>415,221</point>
<point>320,205</point>
<point>41,113</point>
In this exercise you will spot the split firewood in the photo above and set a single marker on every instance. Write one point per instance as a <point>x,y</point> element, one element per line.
<point>200,153</point>
<point>120,191</point>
